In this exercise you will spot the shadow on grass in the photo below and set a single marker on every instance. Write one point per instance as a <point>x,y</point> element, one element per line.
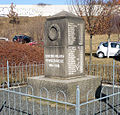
<point>14,109</point>
<point>93,54</point>
<point>117,58</point>
<point>100,94</point>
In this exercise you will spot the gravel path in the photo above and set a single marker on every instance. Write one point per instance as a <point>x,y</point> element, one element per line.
<point>21,105</point>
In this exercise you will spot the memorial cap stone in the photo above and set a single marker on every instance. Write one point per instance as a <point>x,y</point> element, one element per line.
<point>64,14</point>
<point>64,45</point>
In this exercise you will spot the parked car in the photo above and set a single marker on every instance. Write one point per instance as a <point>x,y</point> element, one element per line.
<point>104,49</point>
<point>4,39</point>
<point>22,39</point>
<point>118,54</point>
<point>38,43</point>
<point>32,43</point>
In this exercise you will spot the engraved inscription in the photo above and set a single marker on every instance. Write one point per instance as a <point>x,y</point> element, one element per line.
<point>71,33</point>
<point>54,60</point>
<point>81,60</point>
<point>75,33</point>
<point>71,60</point>
<point>75,61</point>
<point>81,31</point>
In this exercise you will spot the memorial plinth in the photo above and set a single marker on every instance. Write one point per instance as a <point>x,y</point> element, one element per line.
<point>64,56</point>
<point>68,86</point>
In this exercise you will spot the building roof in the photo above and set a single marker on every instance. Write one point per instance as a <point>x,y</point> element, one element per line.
<point>64,14</point>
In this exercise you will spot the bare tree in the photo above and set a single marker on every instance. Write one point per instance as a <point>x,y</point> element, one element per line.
<point>13,16</point>
<point>36,30</point>
<point>109,23</point>
<point>92,11</point>
<point>116,25</point>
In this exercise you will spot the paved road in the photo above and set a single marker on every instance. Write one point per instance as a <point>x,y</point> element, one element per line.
<point>21,105</point>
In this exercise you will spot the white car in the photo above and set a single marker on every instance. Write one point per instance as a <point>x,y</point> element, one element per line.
<point>4,39</point>
<point>107,49</point>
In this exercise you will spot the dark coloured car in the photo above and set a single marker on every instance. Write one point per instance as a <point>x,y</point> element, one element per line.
<point>117,56</point>
<point>118,53</point>
<point>22,39</point>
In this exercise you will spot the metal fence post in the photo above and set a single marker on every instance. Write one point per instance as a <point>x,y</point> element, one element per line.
<point>113,75</point>
<point>77,101</point>
<point>8,74</point>
<point>113,85</point>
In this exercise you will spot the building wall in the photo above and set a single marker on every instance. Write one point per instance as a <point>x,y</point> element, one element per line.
<point>34,10</point>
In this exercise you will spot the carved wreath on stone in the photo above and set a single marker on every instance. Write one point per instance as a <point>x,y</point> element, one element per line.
<point>54,32</point>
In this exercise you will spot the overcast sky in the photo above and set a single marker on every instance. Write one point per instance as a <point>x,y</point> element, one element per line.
<point>30,2</point>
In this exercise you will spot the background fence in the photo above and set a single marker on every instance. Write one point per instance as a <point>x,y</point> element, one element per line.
<point>18,73</point>
<point>104,71</point>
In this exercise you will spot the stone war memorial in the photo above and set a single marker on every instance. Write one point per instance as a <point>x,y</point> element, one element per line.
<point>64,59</point>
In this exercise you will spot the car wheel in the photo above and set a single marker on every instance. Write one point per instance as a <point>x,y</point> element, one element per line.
<point>100,55</point>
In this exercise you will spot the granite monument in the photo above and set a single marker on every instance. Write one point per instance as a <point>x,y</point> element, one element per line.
<point>64,56</point>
